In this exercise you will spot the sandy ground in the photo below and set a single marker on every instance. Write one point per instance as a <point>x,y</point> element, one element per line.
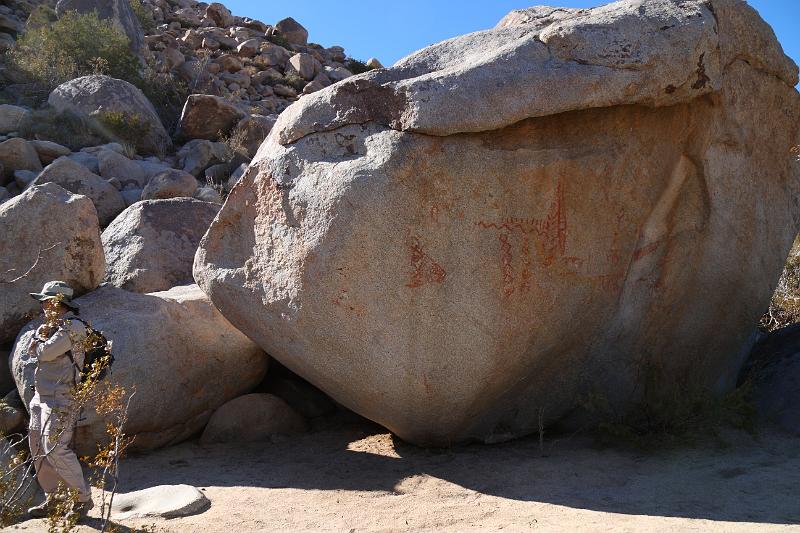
<point>358,478</point>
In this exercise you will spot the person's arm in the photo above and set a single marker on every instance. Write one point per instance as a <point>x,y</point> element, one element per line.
<point>56,345</point>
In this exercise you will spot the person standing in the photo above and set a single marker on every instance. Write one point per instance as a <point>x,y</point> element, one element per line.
<point>58,346</point>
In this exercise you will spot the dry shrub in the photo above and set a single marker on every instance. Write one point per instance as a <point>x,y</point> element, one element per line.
<point>784,308</point>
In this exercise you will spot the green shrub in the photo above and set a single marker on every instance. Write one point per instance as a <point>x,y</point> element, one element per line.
<point>294,80</point>
<point>280,40</point>
<point>123,128</point>
<point>167,94</point>
<point>75,45</point>
<point>357,67</point>
<point>145,19</point>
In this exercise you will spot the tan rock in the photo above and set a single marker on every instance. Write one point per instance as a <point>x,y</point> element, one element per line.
<point>507,223</point>
<point>151,245</point>
<point>62,230</point>
<point>17,154</point>
<point>170,184</point>
<point>293,31</point>
<point>49,151</point>
<point>252,418</point>
<point>207,117</point>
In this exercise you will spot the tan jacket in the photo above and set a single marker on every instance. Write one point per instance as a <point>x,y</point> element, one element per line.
<point>56,374</point>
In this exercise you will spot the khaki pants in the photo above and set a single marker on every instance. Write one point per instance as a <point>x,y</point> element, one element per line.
<point>49,436</point>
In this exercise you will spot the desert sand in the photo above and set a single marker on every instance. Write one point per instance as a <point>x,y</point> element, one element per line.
<point>353,476</point>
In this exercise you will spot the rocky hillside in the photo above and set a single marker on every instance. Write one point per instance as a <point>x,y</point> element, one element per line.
<point>233,75</point>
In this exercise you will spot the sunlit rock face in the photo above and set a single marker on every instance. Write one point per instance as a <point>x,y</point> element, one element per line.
<point>509,224</point>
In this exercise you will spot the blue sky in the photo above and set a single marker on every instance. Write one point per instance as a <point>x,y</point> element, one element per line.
<point>390,30</point>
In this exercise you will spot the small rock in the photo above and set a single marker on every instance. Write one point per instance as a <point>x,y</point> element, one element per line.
<point>284,90</point>
<point>114,165</point>
<point>252,418</point>
<point>220,14</point>
<point>196,156</point>
<point>249,48</point>
<point>229,63</point>
<point>113,147</point>
<point>115,182</point>
<point>170,184</point>
<point>17,154</point>
<point>49,151</point>
<point>89,161</point>
<point>312,87</point>
<point>293,31</point>
<point>165,501</point>
<point>206,117</point>
<point>337,74</point>
<point>11,117</point>
<point>131,196</point>
<point>208,194</point>
<point>303,65</point>
<point>23,178</point>
<point>236,176</point>
<point>373,63</point>
<point>218,174</point>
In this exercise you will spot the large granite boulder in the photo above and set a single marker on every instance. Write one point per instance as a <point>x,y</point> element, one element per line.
<point>173,348</point>
<point>46,233</point>
<point>511,223</point>
<point>96,96</point>
<point>118,11</point>
<point>76,178</point>
<point>151,245</point>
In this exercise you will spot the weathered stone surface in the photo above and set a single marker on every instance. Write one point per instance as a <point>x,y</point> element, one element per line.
<point>294,32</point>
<point>182,357</point>
<point>17,154</point>
<point>162,501</point>
<point>208,194</point>
<point>118,11</point>
<point>60,226</point>
<point>252,418</point>
<point>151,245</point>
<point>625,203</point>
<point>49,151</point>
<point>97,95</point>
<point>610,56</point>
<point>170,184</point>
<point>206,117</point>
<point>12,412</point>
<point>114,165</point>
<point>11,116</point>
<point>131,196</point>
<point>76,178</point>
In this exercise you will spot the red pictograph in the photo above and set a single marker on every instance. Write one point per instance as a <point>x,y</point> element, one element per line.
<point>423,268</point>
<point>548,236</point>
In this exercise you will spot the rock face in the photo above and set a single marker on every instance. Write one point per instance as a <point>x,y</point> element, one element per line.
<point>118,11</point>
<point>97,95</point>
<point>65,228</point>
<point>76,178</point>
<point>252,418</point>
<point>151,245</point>
<point>507,223</point>
<point>11,117</point>
<point>183,358</point>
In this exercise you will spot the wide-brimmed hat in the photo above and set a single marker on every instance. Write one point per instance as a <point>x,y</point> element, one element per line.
<point>54,289</point>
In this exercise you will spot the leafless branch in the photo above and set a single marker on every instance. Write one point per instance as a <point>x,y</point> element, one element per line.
<point>36,262</point>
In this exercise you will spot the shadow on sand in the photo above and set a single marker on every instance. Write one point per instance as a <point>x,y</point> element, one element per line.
<point>703,482</point>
